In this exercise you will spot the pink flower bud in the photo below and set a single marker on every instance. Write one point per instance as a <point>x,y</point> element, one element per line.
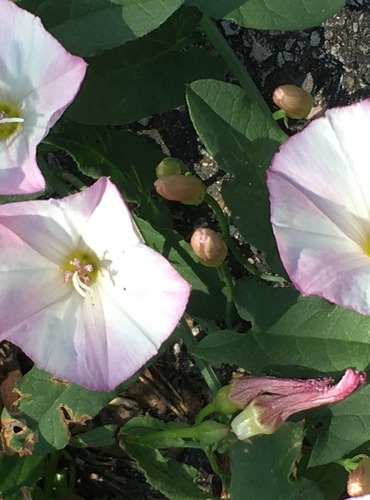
<point>359,479</point>
<point>169,166</point>
<point>269,401</point>
<point>185,188</point>
<point>208,246</point>
<point>296,102</point>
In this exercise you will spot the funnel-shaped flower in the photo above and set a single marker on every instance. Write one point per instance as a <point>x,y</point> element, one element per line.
<point>319,185</point>
<point>79,291</point>
<point>38,80</point>
<point>269,401</point>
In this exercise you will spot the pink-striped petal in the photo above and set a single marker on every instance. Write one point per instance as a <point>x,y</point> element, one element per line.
<point>133,306</point>
<point>42,78</point>
<point>320,210</point>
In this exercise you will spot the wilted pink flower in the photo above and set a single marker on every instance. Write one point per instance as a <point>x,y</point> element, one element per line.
<point>79,292</point>
<point>39,79</point>
<point>269,401</point>
<point>319,185</point>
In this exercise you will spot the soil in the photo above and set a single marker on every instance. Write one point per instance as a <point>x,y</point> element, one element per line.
<point>332,62</point>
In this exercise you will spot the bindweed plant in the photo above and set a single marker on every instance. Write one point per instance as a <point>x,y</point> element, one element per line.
<point>96,282</point>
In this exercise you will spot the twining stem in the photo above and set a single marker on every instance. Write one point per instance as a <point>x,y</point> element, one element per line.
<point>205,369</point>
<point>226,277</point>
<point>238,69</point>
<point>232,245</point>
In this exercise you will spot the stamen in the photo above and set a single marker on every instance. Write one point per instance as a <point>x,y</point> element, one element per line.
<point>79,285</point>
<point>11,120</point>
<point>81,269</point>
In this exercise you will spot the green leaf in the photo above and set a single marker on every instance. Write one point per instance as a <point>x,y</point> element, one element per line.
<point>145,77</point>
<point>88,27</point>
<point>348,428</point>
<point>96,438</point>
<point>127,158</point>
<point>47,408</point>
<point>206,299</point>
<point>253,299</point>
<point>216,8</point>
<point>306,334</point>
<point>16,472</point>
<point>271,14</point>
<point>264,467</point>
<point>173,479</point>
<point>242,139</point>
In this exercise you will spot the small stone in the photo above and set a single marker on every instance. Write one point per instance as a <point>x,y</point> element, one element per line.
<point>315,39</point>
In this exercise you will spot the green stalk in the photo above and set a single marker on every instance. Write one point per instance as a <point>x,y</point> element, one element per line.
<point>205,369</point>
<point>152,438</point>
<point>225,275</point>
<point>51,470</point>
<point>232,245</point>
<point>224,477</point>
<point>238,69</point>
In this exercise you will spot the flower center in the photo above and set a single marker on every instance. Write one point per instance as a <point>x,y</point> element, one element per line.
<point>10,120</point>
<point>366,246</point>
<point>81,270</point>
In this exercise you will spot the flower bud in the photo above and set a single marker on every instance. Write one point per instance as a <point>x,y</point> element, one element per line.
<point>359,479</point>
<point>209,247</point>
<point>170,166</point>
<point>296,102</point>
<point>185,188</point>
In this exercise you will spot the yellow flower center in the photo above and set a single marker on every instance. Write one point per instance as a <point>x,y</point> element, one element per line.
<point>81,269</point>
<point>10,120</point>
<point>366,246</point>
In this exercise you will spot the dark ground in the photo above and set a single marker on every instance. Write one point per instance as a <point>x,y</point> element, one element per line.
<point>333,63</point>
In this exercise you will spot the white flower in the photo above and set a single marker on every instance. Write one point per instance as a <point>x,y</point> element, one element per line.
<point>38,80</point>
<point>79,291</point>
<point>319,185</point>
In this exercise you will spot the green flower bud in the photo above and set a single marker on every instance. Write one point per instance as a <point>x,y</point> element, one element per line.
<point>170,166</point>
<point>296,102</point>
<point>209,247</point>
<point>188,189</point>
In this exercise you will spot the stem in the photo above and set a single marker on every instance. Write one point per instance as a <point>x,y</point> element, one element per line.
<point>238,69</point>
<point>225,275</point>
<point>71,471</point>
<point>226,235</point>
<point>178,433</point>
<point>204,412</point>
<point>216,468</point>
<point>232,245</point>
<point>205,369</point>
<point>51,470</point>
